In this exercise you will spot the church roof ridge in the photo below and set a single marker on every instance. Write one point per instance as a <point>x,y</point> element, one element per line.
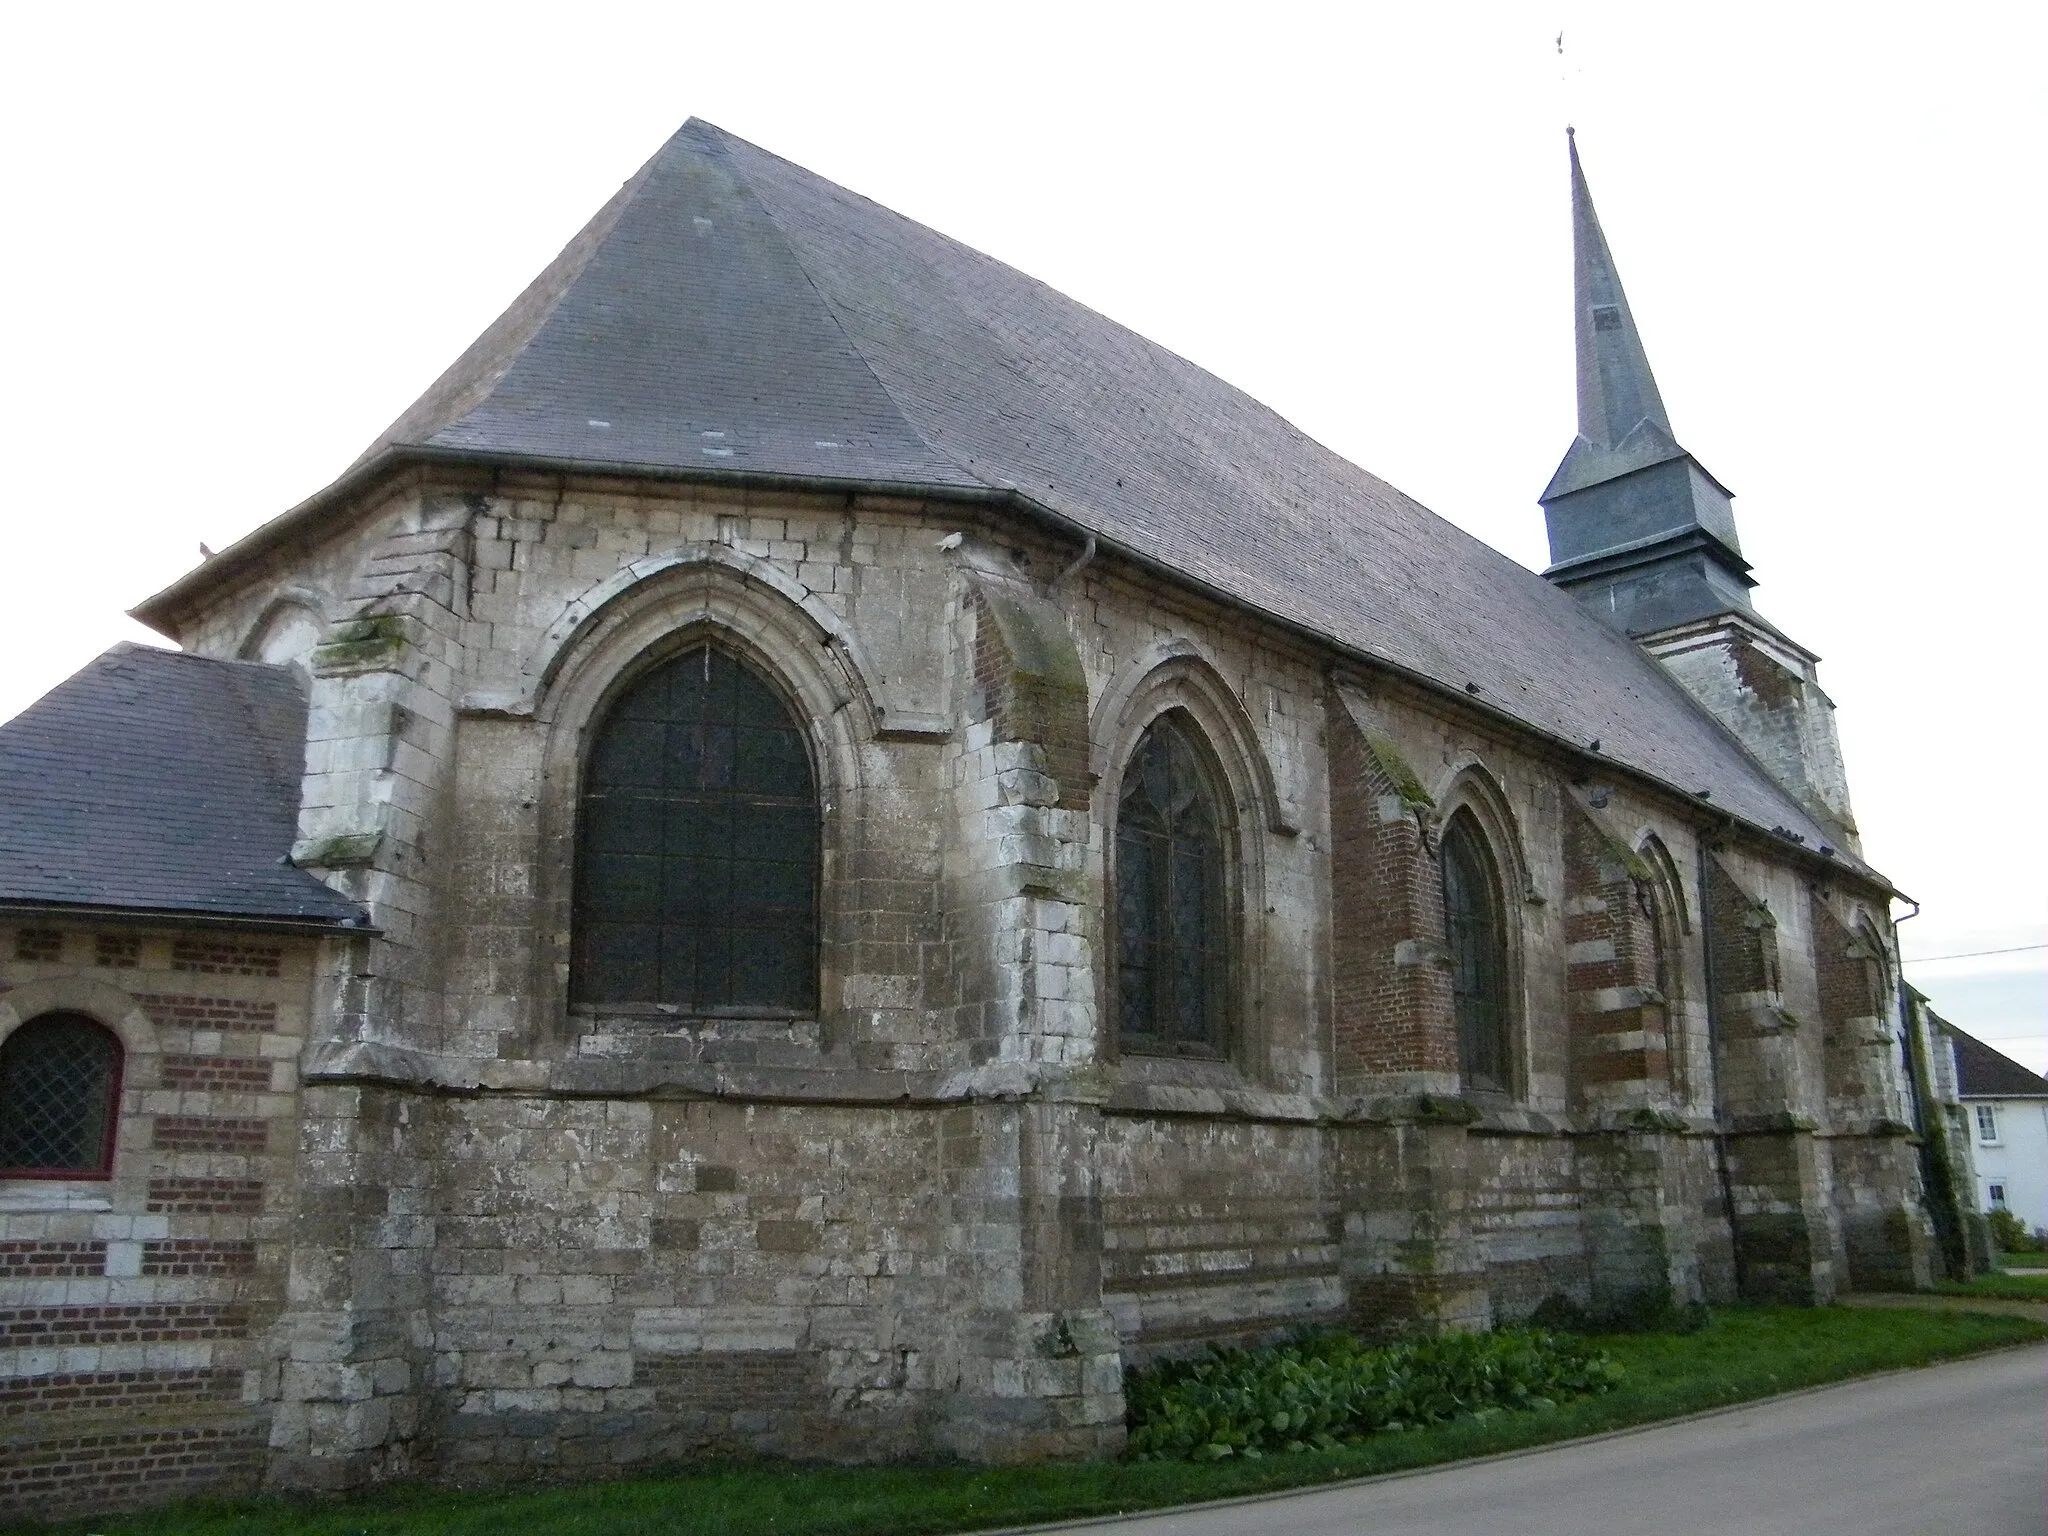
<point>730,316</point>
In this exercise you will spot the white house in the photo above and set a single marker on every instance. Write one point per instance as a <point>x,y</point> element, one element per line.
<point>2007,1122</point>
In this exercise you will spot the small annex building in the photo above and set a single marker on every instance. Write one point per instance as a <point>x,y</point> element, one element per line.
<point>2005,1112</point>
<point>820,848</point>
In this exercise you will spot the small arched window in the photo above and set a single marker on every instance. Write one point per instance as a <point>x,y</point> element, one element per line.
<point>60,1085</point>
<point>697,854</point>
<point>1172,908</point>
<point>1477,938</point>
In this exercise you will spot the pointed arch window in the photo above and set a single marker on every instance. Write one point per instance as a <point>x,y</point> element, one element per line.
<point>60,1089</point>
<point>698,847</point>
<point>1477,938</point>
<point>1172,907</point>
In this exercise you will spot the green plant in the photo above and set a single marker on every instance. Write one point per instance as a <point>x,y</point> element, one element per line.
<point>2010,1234</point>
<point>1320,1391</point>
<point>1642,1312</point>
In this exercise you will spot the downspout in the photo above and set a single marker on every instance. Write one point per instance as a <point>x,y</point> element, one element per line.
<point>1087,554</point>
<point>1937,1165</point>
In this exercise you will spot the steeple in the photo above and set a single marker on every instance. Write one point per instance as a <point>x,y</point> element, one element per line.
<point>1642,535</point>
<point>1617,391</point>
<point>1639,530</point>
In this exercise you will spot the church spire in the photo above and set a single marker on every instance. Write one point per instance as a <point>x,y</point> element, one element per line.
<point>1639,530</point>
<point>1617,391</point>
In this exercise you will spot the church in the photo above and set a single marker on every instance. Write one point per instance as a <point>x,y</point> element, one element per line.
<point>820,848</point>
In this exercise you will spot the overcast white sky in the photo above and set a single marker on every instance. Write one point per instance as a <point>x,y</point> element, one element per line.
<point>242,239</point>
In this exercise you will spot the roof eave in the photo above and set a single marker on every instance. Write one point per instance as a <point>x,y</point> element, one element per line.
<point>162,611</point>
<point>194,917</point>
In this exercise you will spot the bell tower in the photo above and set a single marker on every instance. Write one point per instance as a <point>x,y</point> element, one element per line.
<point>1644,536</point>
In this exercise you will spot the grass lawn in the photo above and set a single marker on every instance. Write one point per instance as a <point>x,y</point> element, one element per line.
<point>1744,1353</point>
<point>2031,1286</point>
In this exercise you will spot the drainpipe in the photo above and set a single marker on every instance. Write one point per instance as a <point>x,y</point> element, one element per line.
<point>1937,1165</point>
<point>1087,554</point>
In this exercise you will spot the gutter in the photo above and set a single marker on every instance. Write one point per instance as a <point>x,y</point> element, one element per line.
<point>157,917</point>
<point>161,611</point>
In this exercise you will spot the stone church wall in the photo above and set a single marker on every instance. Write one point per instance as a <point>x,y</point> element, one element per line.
<point>944,1212</point>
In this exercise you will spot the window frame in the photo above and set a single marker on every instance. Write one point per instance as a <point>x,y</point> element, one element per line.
<point>1229,1028</point>
<point>1465,825</point>
<point>103,1169</point>
<point>682,647</point>
<point>1987,1120</point>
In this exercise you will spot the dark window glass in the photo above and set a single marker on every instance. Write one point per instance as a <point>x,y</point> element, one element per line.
<point>59,1075</point>
<point>697,859</point>
<point>1172,926</point>
<point>1478,945</point>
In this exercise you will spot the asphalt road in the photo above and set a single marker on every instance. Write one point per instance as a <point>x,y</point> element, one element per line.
<point>1959,1450</point>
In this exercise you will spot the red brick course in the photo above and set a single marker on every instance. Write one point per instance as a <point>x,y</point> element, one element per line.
<point>224,1013</point>
<point>198,1256</point>
<point>227,957</point>
<point>45,1259</point>
<point>88,1390</point>
<point>219,1197</point>
<point>204,1133</point>
<point>85,1473</point>
<point>225,1074</point>
<point>143,1323</point>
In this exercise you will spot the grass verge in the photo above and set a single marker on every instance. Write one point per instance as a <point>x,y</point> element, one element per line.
<point>2008,1287</point>
<point>1745,1353</point>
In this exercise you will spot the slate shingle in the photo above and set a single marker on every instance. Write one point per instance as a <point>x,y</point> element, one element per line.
<point>731,313</point>
<point>1985,1073</point>
<point>155,781</point>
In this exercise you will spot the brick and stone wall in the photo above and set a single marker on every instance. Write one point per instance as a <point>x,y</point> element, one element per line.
<point>133,1308</point>
<point>942,1213</point>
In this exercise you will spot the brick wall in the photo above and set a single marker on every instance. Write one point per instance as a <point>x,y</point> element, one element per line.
<point>131,1308</point>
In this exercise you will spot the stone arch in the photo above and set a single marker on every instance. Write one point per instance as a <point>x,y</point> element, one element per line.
<point>97,1000</point>
<point>664,580</point>
<point>140,1067</point>
<point>1181,683</point>
<point>1470,789</point>
<point>288,630</point>
<point>1175,672</point>
<point>1661,899</point>
<point>678,607</point>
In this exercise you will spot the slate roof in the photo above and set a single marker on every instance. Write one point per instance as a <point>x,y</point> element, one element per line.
<point>729,313</point>
<point>159,782</point>
<point>1984,1073</point>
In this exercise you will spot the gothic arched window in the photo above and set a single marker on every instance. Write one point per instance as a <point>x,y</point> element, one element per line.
<point>697,852</point>
<point>1172,907</point>
<point>1479,960</point>
<point>60,1085</point>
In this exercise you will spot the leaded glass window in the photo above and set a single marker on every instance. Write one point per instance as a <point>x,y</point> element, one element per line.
<point>1478,944</point>
<point>59,1076</point>
<point>697,854</point>
<point>1173,950</point>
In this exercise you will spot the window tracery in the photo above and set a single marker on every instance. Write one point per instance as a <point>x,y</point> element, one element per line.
<point>1172,902</point>
<point>698,847</point>
<point>1476,936</point>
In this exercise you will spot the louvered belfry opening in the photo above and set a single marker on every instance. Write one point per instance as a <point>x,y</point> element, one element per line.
<point>1478,943</point>
<point>697,850</point>
<point>1173,951</point>
<point>60,1075</point>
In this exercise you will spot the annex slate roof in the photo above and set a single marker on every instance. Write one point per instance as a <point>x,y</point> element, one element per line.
<point>1985,1073</point>
<point>154,781</point>
<point>729,312</point>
